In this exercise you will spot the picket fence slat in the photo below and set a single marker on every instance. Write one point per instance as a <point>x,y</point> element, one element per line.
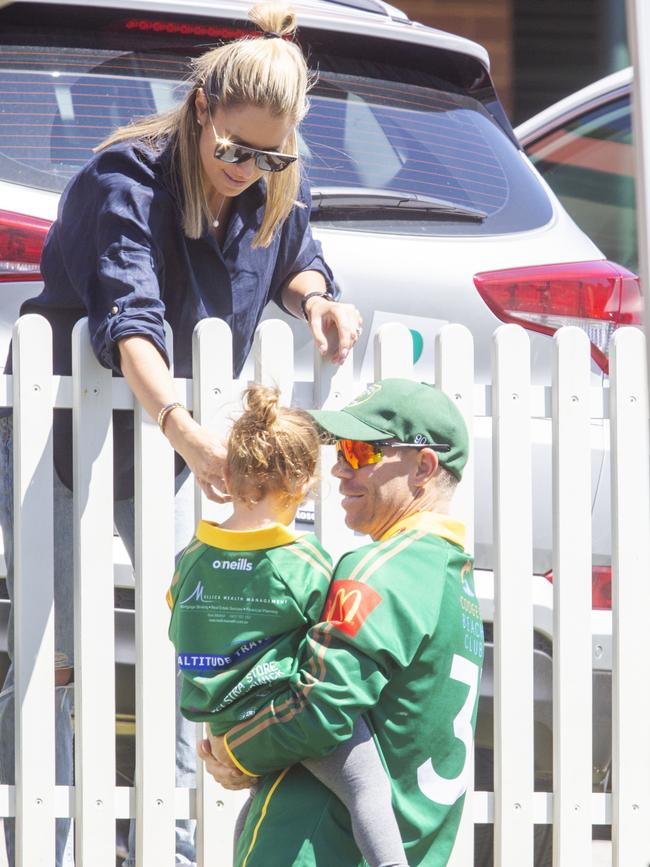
<point>212,394</point>
<point>273,357</point>
<point>572,738</point>
<point>93,602</point>
<point>155,663</point>
<point>213,404</point>
<point>513,625</point>
<point>34,592</point>
<point>334,386</point>
<point>454,365</point>
<point>393,352</point>
<point>631,599</point>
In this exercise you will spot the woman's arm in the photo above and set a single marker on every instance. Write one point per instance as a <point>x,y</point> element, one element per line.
<point>151,382</point>
<point>323,315</point>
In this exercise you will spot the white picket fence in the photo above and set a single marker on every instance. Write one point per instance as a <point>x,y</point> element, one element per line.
<point>95,802</point>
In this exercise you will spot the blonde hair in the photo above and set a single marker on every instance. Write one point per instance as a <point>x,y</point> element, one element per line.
<point>271,449</point>
<point>267,73</point>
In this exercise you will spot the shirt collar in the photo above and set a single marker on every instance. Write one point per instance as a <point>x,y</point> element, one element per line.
<point>245,540</point>
<point>430,522</point>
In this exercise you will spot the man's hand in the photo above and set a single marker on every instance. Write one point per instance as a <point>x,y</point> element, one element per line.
<point>218,764</point>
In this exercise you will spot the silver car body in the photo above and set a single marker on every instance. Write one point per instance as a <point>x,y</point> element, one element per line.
<point>424,279</point>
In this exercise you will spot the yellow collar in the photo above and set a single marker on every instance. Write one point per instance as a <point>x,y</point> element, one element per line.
<point>431,522</point>
<point>245,540</point>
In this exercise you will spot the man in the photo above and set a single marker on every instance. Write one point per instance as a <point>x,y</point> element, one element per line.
<point>401,642</point>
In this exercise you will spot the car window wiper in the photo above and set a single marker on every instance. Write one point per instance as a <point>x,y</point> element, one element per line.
<point>366,199</point>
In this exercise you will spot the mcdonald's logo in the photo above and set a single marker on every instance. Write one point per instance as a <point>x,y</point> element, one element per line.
<point>349,603</point>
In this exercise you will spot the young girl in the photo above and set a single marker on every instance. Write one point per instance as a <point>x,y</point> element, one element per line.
<point>245,593</point>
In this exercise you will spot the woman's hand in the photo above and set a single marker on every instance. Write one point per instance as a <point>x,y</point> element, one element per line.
<point>201,451</point>
<point>334,322</point>
<point>336,327</point>
<point>151,382</point>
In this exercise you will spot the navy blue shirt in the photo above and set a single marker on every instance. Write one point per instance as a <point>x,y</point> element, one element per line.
<point>117,253</point>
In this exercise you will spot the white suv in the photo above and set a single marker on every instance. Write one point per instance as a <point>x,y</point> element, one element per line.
<point>428,210</point>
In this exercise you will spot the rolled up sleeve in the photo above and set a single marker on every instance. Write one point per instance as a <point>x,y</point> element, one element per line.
<point>117,270</point>
<point>299,251</point>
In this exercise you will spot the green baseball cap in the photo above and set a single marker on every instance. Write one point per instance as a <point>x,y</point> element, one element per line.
<point>405,411</point>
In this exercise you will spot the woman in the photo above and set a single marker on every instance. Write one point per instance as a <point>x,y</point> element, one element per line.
<point>197,212</point>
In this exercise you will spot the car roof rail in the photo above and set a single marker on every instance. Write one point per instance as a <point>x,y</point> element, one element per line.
<point>378,7</point>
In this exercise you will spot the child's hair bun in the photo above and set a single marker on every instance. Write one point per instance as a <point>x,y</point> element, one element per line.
<point>271,448</point>
<point>263,403</point>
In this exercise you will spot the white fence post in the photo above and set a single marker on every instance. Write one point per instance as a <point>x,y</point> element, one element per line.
<point>393,352</point>
<point>631,599</point>
<point>94,682</point>
<point>334,386</point>
<point>454,354</point>
<point>33,592</point>
<point>155,663</point>
<point>212,393</point>
<point>513,623</point>
<point>216,808</point>
<point>273,356</point>
<point>572,692</point>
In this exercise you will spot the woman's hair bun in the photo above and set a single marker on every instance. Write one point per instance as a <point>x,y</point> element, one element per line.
<point>274,17</point>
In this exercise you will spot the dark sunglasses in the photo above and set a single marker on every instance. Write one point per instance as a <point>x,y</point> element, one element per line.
<point>360,454</point>
<point>266,161</point>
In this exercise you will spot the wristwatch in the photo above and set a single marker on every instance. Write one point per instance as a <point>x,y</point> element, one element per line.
<point>303,302</point>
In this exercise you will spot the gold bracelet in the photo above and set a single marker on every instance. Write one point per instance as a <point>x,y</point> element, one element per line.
<point>164,412</point>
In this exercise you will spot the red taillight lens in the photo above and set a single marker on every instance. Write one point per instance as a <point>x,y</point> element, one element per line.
<point>597,296</point>
<point>21,243</point>
<point>601,587</point>
<point>183,28</point>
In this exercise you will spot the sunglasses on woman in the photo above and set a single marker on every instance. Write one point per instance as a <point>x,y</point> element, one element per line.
<point>360,454</point>
<point>235,154</point>
<point>266,161</point>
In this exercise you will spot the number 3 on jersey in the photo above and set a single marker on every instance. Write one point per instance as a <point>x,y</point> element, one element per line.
<point>437,788</point>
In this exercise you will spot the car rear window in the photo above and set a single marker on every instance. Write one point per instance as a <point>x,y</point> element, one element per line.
<point>589,163</point>
<point>372,127</point>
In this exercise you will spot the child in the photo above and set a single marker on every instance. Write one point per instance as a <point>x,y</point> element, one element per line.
<point>245,593</point>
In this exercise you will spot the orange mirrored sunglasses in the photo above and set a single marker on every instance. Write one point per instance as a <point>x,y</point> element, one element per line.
<point>360,454</point>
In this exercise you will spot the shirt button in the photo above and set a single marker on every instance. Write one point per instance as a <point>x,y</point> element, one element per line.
<point>115,309</point>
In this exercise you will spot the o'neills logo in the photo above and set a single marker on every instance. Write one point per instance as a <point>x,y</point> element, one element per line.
<point>241,565</point>
<point>349,603</point>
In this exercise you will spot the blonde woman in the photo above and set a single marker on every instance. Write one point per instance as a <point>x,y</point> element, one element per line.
<point>198,212</point>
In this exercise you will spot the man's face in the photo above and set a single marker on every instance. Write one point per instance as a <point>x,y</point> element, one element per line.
<point>376,496</point>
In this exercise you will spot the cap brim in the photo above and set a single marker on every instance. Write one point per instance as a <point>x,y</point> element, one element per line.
<point>343,426</point>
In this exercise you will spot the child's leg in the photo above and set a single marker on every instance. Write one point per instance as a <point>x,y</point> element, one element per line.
<point>241,820</point>
<point>356,775</point>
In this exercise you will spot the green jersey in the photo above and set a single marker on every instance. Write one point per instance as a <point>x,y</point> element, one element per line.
<point>402,643</point>
<point>241,604</point>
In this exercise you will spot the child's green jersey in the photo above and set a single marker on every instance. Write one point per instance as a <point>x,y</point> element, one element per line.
<point>402,643</point>
<point>241,605</point>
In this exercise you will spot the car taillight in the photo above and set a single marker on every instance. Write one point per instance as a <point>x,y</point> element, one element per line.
<point>184,28</point>
<point>597,296</point>
<point>601,587</point>
<point>21,243</point>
